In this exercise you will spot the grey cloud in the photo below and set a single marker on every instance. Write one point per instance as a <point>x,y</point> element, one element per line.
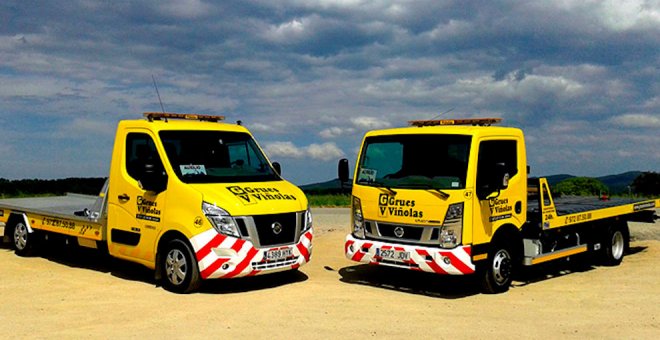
<point>309,69</point>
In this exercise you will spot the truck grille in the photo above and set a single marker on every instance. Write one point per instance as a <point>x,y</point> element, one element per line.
<point>402,233</point>
<point>266,230</point>
<point>409,233</point>
<point>271,230</point>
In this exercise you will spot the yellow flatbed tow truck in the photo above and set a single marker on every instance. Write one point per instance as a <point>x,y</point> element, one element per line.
<point>188,196</point>
<point>453,197</point>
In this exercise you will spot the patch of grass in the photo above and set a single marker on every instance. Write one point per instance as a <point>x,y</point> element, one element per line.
<point>27,195</point>
<point>329,200</point>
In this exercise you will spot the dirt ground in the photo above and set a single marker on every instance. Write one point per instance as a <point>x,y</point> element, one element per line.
<point>69,293</point>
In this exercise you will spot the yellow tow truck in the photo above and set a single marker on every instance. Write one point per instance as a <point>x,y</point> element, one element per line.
<point>453,197</point>
<point>188,195</point>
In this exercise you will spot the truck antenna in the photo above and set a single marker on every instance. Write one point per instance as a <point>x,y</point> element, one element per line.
<point>438,116</point>
<point>158,93</point>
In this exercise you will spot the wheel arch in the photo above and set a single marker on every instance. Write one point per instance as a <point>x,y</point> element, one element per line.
<point>162,241</point>
<point>509,234</point>
<point>505,251</point>
<point>14,218</point>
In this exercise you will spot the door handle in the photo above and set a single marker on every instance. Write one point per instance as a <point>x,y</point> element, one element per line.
<point>124,198</point>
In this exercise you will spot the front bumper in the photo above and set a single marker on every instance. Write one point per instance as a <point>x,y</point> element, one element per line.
<point>455,261</point>
<point>221,256</point>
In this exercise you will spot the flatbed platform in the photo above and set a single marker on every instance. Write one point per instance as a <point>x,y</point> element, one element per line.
<point>56,214</point>
<point>65,205</point>
<point>566,205</point>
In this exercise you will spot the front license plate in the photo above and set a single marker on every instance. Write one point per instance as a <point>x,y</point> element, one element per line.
<point>394,255</point>
<point>278,254</point>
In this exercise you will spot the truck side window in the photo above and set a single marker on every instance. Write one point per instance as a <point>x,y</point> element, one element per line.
<point>140,148</point>
<point>492,153</point>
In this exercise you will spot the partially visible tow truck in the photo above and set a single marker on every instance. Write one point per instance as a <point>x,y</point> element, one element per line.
<point>454,197</point>
<point>189,196</point>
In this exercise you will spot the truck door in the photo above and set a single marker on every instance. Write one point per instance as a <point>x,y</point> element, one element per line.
<point>506,203</point>
<point>135,214</point>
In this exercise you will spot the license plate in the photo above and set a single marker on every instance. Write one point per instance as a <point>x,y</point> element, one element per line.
<point>278,254</point>
<point>394,255</point>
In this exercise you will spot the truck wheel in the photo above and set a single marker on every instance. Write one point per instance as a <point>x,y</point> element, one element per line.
<point>615,244</point>
<point>180,271</point>
<point>23,240</point>
<point>496,277</point>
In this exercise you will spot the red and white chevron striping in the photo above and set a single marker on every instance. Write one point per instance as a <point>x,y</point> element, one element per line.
<point>221,256</point>
<point>434,260</point>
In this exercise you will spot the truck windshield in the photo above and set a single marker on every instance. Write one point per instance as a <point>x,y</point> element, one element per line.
<point>415,161</point>
<point>216,157</point>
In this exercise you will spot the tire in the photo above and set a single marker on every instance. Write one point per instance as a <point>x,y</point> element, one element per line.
<point>497,275</point>
<point>615,244</point>
<point>179,268</point>
<point>22,239</point>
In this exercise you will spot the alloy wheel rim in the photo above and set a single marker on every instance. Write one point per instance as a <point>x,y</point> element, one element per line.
<point>20,236</point>
<point>502,266</point>
<point>176,266</point>
<point>617,245</point>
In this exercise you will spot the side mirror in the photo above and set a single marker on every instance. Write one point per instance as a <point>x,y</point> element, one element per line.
<point>153,178</point>
<point>342,170</point>
<point>498,179</point>
<point>278,168</point>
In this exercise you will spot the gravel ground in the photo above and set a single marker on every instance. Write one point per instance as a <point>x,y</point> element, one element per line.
<point>72,294</point>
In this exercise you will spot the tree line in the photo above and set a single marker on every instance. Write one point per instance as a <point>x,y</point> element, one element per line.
<point>647,184</point>
<point>38,187</point>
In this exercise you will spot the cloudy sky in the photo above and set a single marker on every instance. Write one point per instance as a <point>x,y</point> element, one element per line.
<point>310,77</point>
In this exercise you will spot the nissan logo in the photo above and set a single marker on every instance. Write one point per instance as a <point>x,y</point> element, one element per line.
<point>276,227</point>
<point>398,232</point>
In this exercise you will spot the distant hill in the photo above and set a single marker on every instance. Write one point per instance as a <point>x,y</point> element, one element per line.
<point>329,187</point>
<point>616,183</point>
<point>619,183</point>
<point>554,179</point>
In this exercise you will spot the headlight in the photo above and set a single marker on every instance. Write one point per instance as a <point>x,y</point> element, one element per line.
<point>308,220</point>
<point>452,228</point>
<point>357,218</point>
<point>222,222</point>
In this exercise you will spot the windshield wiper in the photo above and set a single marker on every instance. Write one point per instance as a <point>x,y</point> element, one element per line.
<point>443,194</point>
<point>379,185</point>
<point>388,189</point>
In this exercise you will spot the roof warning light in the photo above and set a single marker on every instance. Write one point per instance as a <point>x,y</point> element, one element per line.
<point>151,116</point>
<point>472,121</point>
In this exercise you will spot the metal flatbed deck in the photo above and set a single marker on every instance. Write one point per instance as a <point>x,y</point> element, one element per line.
<point>566,205</point>
<point>64,206</point>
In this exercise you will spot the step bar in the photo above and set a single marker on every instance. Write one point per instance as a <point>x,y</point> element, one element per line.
<point>532,260</point>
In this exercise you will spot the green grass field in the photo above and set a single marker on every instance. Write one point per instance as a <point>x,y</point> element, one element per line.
<point>26,195</point>
<point>326,201</point>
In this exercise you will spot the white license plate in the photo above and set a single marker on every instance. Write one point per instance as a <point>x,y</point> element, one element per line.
<point>278,254</point>
<point>394,255</point>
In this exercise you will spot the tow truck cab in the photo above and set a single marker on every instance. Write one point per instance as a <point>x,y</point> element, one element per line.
<point>195,198</point>
<point>453,197</point>
<point>420,194</point>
